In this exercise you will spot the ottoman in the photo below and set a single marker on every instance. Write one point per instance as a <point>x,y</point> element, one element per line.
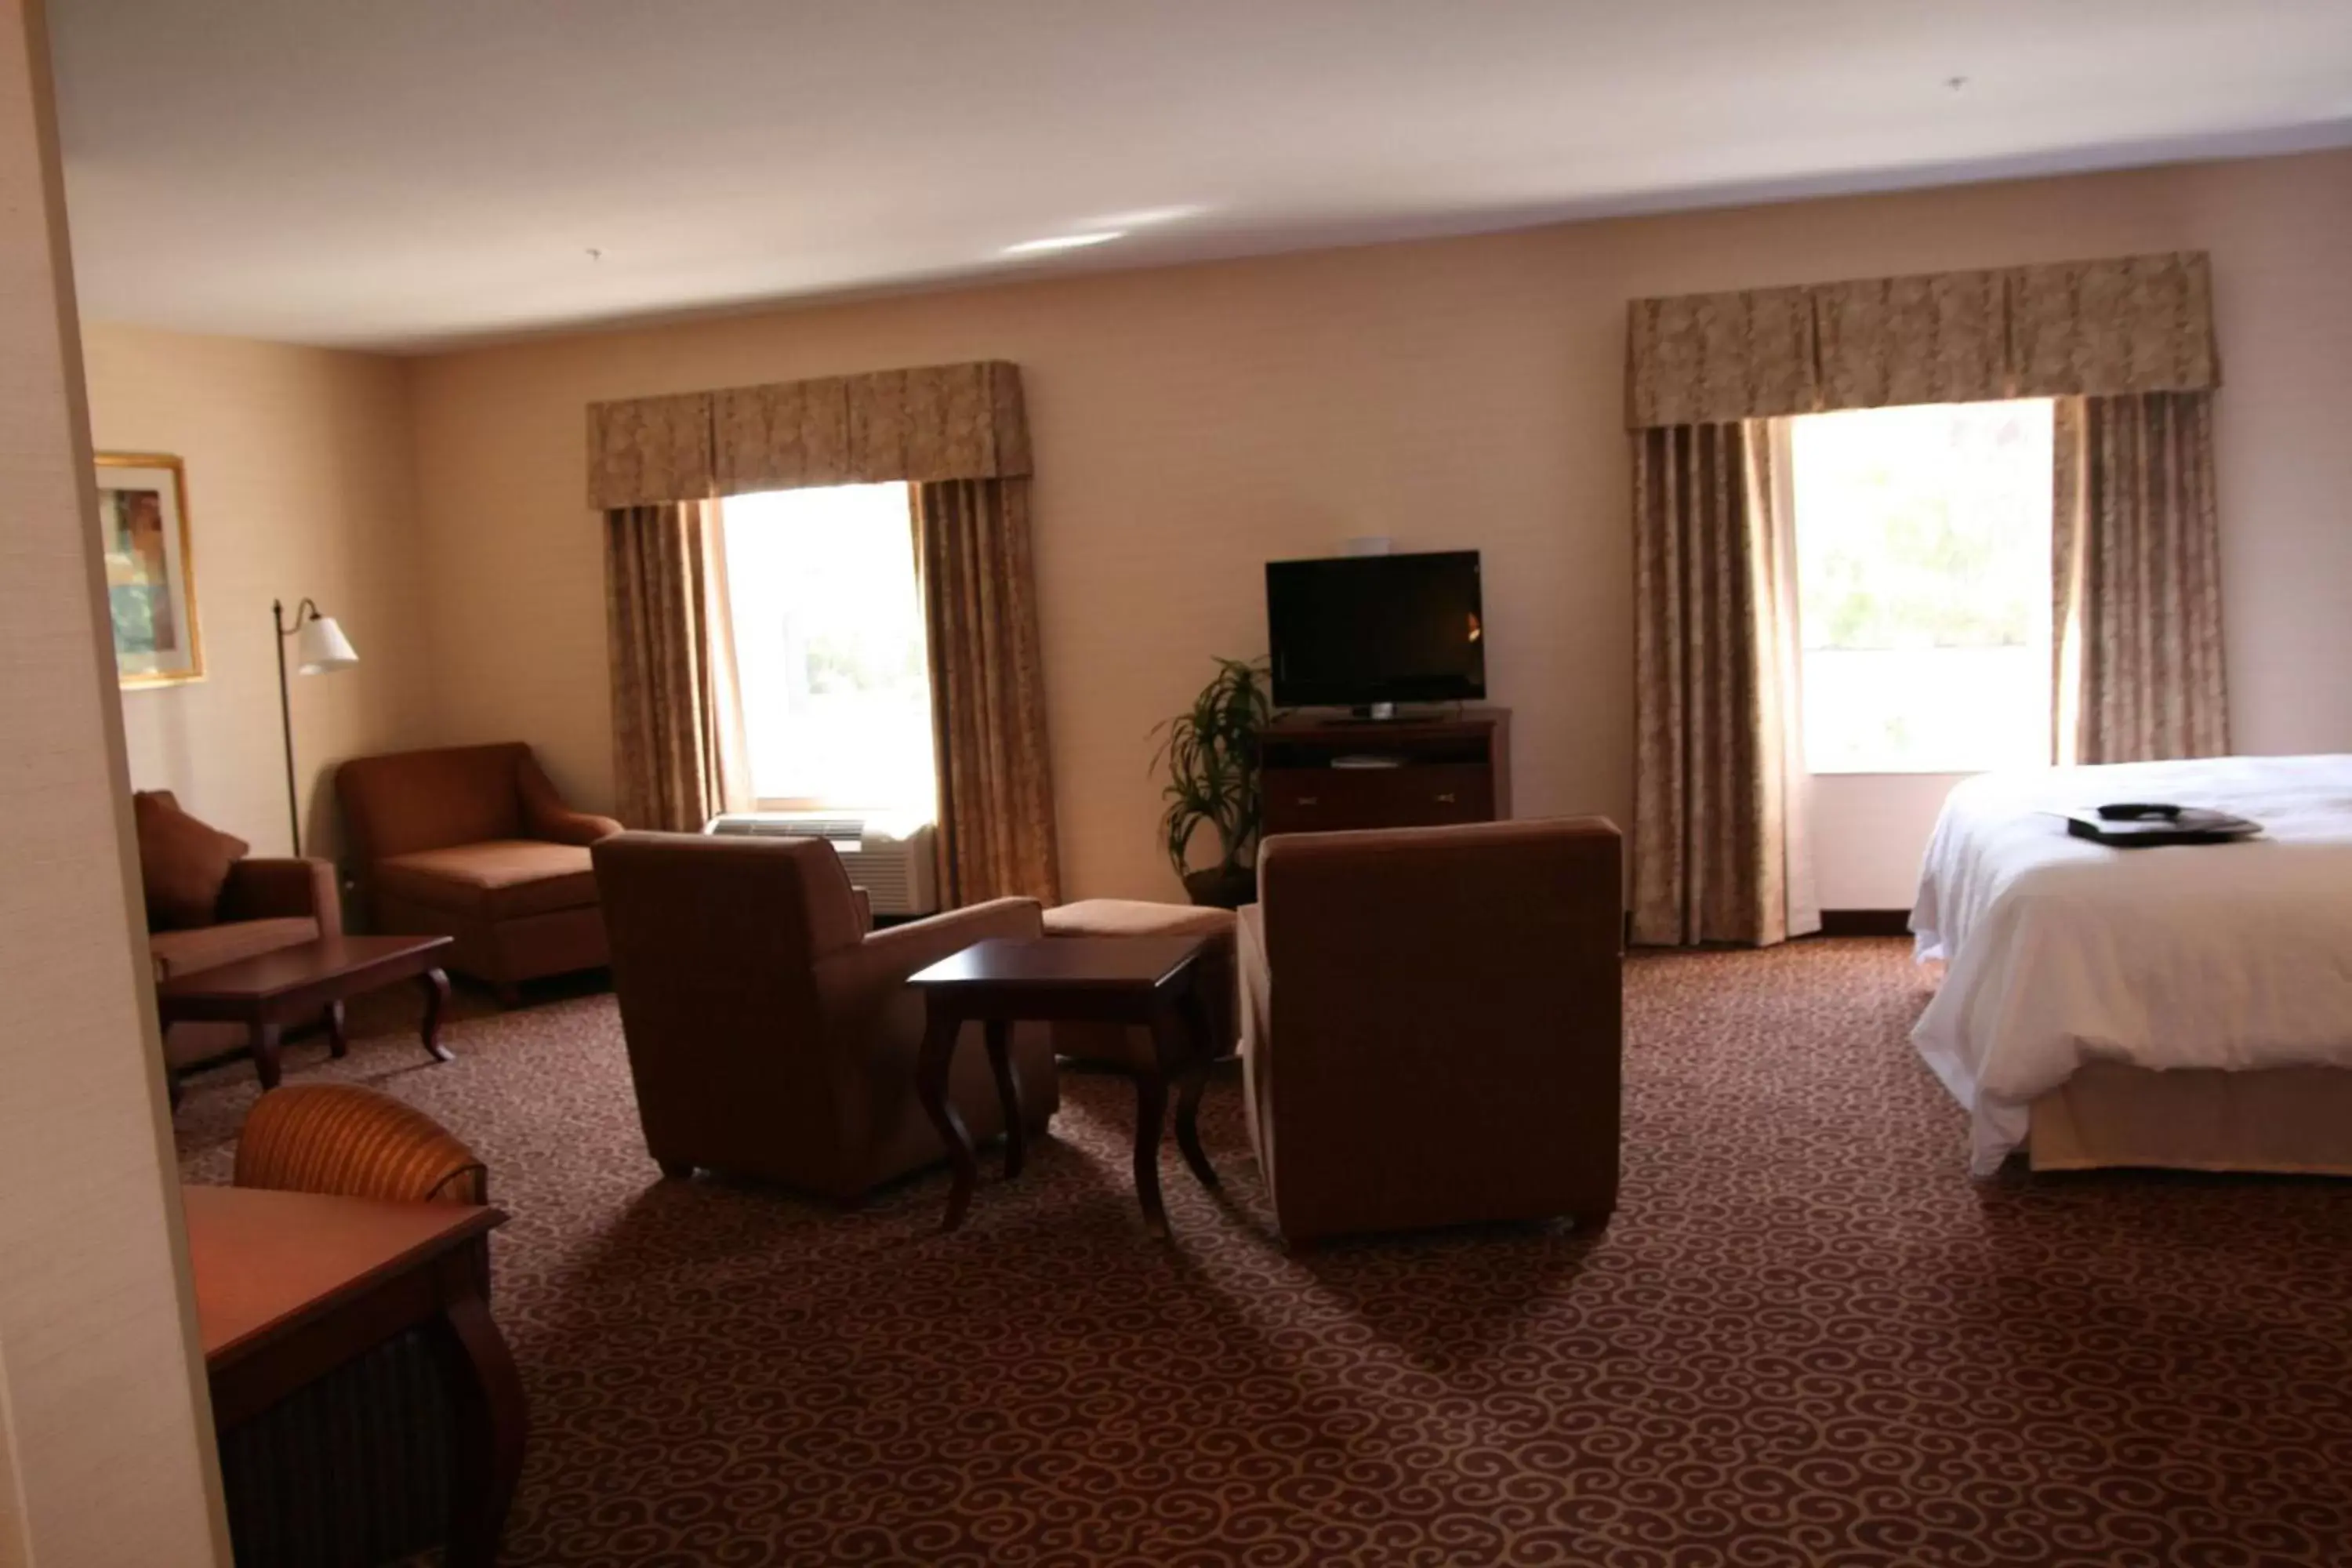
<point>1114,1043</point>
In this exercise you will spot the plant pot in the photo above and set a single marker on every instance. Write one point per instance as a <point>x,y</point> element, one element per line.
<point>1222,887</point>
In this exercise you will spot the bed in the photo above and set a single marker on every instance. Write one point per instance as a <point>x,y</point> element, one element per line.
<point>2187,1006</point>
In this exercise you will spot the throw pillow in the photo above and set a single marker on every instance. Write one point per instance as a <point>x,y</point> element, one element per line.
<point>182,864</point>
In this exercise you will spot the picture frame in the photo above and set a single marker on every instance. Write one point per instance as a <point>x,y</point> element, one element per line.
<point>149,547</point>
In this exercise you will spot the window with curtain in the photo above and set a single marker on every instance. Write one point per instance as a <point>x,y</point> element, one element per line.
<point>1923,586</point>
<point>829,649</point>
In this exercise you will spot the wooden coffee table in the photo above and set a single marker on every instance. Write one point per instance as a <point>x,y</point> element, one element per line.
<point>1154,982</point>
<point>295,984</point>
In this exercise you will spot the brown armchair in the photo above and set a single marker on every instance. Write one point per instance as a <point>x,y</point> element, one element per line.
<point>1443,1045</point>
<point>265,905</point>
<point>472,842</point>
<point>769,1035</point>
<point>352,1141</point>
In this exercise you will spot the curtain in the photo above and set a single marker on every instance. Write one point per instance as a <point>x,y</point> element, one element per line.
<point>988,691</point>
<point>2135,581</point>
<point>1714,648</point>
<point>678,722</point>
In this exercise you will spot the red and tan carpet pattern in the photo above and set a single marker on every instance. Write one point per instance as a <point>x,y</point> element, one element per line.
<point>1807,1338</point>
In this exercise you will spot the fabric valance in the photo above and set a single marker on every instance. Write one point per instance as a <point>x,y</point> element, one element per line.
<point>921,424</point>
<point>2133,324</point>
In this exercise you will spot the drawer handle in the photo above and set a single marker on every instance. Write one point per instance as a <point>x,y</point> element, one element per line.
<point>1306,800</point>
<point>1446,798</point>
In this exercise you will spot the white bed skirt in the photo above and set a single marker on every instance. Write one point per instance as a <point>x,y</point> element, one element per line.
<point>2283,1120</point>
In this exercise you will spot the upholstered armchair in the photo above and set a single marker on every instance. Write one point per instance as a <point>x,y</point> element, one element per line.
<point>770,1034</point>
<point>352,1141</point>
<point>473,842</point>
<point>209,904</point>
<point>1432,1027</point>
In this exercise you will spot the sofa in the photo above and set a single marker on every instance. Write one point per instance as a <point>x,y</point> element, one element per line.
<point>770,1034</point>
<point>473,843</point>
<point>209,904</point>
<point>1433,1025</point>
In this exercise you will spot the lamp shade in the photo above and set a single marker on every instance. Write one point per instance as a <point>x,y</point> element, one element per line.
<point>320,647</point>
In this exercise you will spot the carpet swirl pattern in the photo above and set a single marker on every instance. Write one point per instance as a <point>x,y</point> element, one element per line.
<point>1806,1339</point>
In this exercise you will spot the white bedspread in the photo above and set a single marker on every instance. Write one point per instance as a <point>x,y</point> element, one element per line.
<point>2061,952</point>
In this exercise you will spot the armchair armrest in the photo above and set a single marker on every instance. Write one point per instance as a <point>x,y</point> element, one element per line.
<point>889,957</point>
<point>275,888</point>
<point>545,815</point>
<point>871,1012</point>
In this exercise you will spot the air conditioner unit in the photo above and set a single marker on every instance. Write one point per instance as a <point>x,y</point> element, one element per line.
<point>891,857</point>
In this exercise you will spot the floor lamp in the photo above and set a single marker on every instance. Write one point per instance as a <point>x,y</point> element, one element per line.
<point>320,648</point>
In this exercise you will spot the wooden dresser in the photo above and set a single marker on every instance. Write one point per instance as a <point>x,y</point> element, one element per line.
<point>1454,767</point>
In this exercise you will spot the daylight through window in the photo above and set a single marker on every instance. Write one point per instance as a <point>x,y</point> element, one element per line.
<point>1923,557</point>
<point>829,646</point>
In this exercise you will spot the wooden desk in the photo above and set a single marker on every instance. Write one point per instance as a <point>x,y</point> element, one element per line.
<point>290,1286</point>
<point>1153,981</point>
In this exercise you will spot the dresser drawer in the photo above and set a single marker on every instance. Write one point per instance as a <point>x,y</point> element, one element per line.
<point>1306,800</point>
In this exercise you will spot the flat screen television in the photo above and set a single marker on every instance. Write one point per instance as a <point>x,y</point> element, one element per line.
<point>1355,631</point>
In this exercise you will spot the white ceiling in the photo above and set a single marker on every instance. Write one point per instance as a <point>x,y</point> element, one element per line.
<point>403,173</point>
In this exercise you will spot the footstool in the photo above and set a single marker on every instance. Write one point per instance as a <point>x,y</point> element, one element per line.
<point>1118,1044</point>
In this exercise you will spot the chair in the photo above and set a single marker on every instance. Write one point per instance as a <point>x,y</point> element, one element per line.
<point>266,904</point>
<point>472,842</point>
<point>770,1034</point>
<point>1444,1043</point>
<point>352,1467</point>
<point>350,1142</point>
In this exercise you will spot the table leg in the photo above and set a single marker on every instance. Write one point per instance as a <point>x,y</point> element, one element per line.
<point>1151,1115</point>
<point>435,985</point>
<point>266,1063</point>
<point>1194,1082</point>
<point>932,1088</point>
<point>339,1044</point>
<point>492,1423</point>
<point>1008,1095</point>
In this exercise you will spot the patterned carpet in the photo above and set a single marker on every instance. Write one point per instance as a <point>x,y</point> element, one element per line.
<point>1807,1338</point>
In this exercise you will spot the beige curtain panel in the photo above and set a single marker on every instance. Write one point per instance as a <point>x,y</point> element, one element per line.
<point>677,725</point>
<point>2130,325</point>
<point>2136,581</point>
<point>933,422</point>
<point>988,692</point>
<point>1713,686</point>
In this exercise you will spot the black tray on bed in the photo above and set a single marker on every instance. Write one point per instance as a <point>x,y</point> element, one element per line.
<point>2134,824</point>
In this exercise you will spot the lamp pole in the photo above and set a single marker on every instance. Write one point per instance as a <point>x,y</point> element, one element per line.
<point>286,713</point>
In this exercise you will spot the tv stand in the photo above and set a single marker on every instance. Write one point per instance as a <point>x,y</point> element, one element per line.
<point>1326,771</point>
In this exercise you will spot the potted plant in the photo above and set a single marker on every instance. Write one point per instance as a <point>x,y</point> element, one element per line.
<point>1211,754</point>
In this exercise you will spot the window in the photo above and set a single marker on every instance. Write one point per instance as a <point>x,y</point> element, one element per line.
<point>1923,569</point>
<point>829,647</point>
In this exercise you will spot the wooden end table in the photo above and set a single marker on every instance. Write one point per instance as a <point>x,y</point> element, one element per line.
<point>1154,982</point>
<point>290,1286</point>
<point>294,984</point>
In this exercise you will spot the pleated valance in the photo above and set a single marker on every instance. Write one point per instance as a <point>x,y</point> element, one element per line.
<point>2103,328</point>
<point>922,425</point>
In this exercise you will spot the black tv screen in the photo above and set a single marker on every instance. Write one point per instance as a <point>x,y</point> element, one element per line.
<point>1360,629</point>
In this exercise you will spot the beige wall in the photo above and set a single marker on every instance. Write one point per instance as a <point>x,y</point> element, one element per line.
<point>1191,422</point>
<point>299,466</point>
<point>105,1447</point>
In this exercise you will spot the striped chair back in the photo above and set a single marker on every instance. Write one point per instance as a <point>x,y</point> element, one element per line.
<point>350,1142</point>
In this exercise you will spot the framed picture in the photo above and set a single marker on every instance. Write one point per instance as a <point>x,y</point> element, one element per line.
<point>151,568</point>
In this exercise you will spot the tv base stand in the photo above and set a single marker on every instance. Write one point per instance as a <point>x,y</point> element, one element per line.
<point>1324,773</point>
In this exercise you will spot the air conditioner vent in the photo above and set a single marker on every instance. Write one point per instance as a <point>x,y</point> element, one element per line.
<point>890,858</point>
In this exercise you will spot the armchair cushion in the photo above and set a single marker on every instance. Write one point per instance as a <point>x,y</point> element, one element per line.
<point>182,864</point>
<point>347,1141</point>
<point>502,878</point>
